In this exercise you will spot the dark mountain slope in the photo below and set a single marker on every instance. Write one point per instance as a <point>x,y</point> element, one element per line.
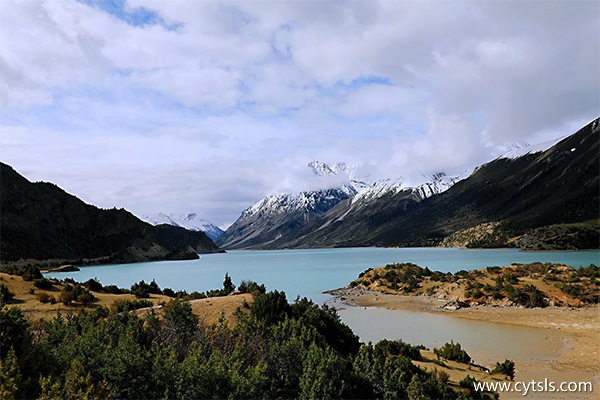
<point>560,185</point>
<point>40,221</point>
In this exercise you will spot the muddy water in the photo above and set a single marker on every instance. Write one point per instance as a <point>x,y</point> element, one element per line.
<point>538,353</point>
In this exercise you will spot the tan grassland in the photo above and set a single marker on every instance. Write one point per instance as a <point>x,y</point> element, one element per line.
<point>212,310</point>
<point>207,310</point>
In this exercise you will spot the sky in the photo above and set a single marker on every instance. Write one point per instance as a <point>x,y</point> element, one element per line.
<point>208,106</point>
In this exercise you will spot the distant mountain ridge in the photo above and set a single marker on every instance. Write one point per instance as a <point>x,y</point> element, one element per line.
<point>536,197</point>
<point>276,218</point>
<point>41,222</point>
<point>189,221</point>
<point>518,193</point>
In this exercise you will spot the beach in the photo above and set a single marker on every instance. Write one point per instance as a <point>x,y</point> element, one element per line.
<point>576,330</point>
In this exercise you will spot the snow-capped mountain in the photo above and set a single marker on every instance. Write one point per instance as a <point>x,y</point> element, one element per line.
<point>277,215</point>
<point>437,183</point>
<point>524,186</point>
<point>542,186</point>
<point>522,150</point>
<point>189,221</point>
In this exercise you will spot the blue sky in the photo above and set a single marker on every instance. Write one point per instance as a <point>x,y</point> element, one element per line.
<point>206,106</point>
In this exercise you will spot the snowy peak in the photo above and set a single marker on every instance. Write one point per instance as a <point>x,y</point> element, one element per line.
<point>321,169</point>
<point>189,221</point>
<point>304,201</point>
<point>378,189</point>
<point>437,183</point>
<point>434,183</point>
<point>523,150</point>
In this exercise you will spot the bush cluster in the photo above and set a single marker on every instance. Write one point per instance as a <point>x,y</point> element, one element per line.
<point>453,352</point>
<point>277,350</point>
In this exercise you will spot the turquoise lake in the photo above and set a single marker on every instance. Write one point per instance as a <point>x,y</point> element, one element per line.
<point>309,272</point>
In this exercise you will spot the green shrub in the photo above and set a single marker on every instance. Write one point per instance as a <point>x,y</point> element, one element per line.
<point>42,283</point>
<point>454,352</point>
<point>507,368</point>
<point>129,305</point>
<point>31,272</point>
<point>5,294</point>
<point>247,286</point>
<point>93,284</point>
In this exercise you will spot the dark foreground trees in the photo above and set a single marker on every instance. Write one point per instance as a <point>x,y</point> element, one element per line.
<point>277,350</point>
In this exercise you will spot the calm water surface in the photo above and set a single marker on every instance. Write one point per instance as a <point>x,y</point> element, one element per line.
<point>308,272</point>
<point>486,342</point>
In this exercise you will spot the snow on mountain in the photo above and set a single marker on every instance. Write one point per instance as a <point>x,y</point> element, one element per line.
<point>378,189</point>
<point>525,149</point>
<point>432,184</point>
<point>437,183</point>
<point>189,221</point>
<point>360,190</point>
<point>303,201</point>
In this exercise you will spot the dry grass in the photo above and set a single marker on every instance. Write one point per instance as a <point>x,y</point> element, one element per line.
<point>212,309</point>
<point>208,310</point>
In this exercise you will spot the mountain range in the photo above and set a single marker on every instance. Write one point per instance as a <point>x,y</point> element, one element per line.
<point>278,217</point>
<point>41,222</point>
<point>189,221</point>
<point>538,197</point>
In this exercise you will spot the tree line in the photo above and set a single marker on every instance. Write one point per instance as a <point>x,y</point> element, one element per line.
<point>277,349</point>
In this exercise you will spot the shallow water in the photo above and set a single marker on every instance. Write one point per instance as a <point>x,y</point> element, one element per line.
<point>484,341</point>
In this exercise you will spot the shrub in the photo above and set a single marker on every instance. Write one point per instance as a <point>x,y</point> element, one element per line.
<point>42,283</point>
<point>467,382</point>
<point>113,289</point>
<point>5,294</point>
<point>66,297</point>
<point>143,289</point>
<point>31,272</point>
<point>129,305</point>
<point>85,298</point>
<point>507,368</point>
<point>454,352</point>
<point>45,297</point>
<point>247,286</point>
<point>77,293</point>
<point>93,284</point>
<point>271,307</point>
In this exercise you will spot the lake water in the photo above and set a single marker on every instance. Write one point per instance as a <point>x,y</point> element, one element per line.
<point>308,272</point>
<point>486,342</point>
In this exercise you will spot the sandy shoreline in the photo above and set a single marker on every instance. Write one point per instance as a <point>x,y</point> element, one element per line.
<point>578,329</point>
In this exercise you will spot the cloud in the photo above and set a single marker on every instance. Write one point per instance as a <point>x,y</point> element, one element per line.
<point>208,106</point>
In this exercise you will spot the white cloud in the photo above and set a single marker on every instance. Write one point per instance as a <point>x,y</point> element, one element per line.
<point>208,106</point>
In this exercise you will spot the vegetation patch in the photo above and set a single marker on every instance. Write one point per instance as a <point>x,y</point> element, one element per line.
<point>526,285</point>
<point>276,349</point>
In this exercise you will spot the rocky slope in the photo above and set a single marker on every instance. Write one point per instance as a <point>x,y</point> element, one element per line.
<point>40,221</point>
